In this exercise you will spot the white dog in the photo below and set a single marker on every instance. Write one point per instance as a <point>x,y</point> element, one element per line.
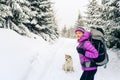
<point>68,65</point>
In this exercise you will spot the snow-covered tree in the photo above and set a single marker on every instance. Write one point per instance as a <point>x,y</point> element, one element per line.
<point>12,16</point>
<point>68,32</point>
<point>80,21</point>
<point>104,1</point>
<point>93,14</point>
<point>5,13</point>
<point>25,16</point>
<point>43,22</point>
<point>111,17</point>
<point>71,32</point>
<point>64,32</point>
<point>48,19</point>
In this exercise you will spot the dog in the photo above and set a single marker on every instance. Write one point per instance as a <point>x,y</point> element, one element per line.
<point>68,65</point>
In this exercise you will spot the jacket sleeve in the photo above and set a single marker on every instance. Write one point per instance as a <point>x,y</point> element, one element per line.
<point>90,50</point>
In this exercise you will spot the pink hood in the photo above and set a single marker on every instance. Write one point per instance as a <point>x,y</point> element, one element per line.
<point>85,36</point>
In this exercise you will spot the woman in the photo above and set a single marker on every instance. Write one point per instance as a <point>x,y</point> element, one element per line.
<point>86,54</point>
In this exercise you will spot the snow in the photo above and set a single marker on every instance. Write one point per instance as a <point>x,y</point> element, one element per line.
<point>23,58</point>
<point>34,21</point>
<point>5,11</point>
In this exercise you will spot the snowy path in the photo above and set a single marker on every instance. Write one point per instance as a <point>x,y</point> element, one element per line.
<point>52,69</point>
<point>53,61</point>
<point>40,65</point>
<point>55,71</point>
<point>23,58</point>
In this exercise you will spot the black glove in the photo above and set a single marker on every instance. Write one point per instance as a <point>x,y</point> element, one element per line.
<point>81,51</point>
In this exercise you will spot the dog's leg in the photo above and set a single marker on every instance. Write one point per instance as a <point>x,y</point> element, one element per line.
<point>63,67</point>
<point>72,69</point>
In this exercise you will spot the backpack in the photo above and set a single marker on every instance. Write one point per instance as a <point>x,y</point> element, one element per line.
<point>98,41</point>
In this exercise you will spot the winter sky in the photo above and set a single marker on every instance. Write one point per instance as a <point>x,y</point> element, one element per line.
<point>67,11</point>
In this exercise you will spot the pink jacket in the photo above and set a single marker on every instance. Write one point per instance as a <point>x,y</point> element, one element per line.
<point>90,52</point>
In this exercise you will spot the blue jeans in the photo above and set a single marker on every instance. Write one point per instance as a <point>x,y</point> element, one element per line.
<point>88,75</point>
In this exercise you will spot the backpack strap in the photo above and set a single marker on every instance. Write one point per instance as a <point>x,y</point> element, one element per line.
<point>81,45</point>
<point>98,47</point>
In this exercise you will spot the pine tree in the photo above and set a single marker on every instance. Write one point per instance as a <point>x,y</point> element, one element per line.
<point>25,16</point>
<point>79,21</point>
<point>105,1</point>
<point>20,10</point>
<point>12,16</point>
<point>111,17</point>
<point>93,14</point>
<point>43,23</point>
<point>5,13</point>
<point>71,32</point>
<point>64,32</point>
<point>68,33</point>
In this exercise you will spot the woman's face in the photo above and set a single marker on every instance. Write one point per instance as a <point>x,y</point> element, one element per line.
<point>78,34</point>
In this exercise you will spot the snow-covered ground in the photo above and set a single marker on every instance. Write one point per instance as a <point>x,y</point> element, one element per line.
<point>23,58</point>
